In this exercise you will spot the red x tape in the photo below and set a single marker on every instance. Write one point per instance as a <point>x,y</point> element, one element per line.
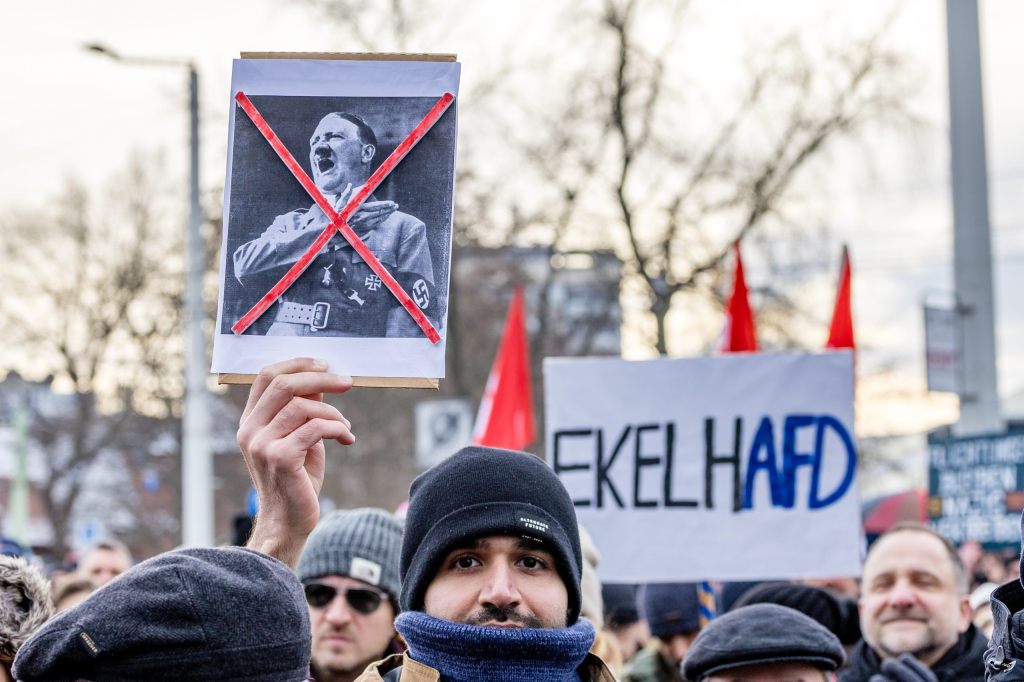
<point>339,221</point>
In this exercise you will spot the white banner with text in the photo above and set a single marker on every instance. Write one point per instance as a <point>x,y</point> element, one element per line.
<point>734,467</point>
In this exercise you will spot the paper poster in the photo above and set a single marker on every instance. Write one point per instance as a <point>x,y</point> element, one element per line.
<point>339,120</point>
<point>736,467</point>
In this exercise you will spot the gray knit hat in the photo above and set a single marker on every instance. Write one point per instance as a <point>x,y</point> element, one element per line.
<point>227,614</point>
<point>364,544</point>
<point>24,604</point>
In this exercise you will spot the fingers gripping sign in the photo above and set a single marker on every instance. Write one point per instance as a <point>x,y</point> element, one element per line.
<point>281,436</point>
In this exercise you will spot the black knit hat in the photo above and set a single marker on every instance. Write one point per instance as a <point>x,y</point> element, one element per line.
<point>479,492</point>
<point>761,634</point>
<point>731,592</point>
<point>620,608</point>
<point>838,615</point>
<point>227,614</point>
<point>670,608</point>
<point>810,601</point>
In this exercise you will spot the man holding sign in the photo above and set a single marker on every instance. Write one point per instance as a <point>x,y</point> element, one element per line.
<point>491,559</point>
<point>339,295</point>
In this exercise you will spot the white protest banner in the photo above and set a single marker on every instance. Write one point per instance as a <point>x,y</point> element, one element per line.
<point>737,467</point>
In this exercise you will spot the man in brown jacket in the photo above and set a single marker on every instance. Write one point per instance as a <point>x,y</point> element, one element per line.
<point>491,558</point>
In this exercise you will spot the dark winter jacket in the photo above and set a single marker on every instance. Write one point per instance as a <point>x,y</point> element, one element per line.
<point>648,665</point>
<point>1004,659</point>
<point>963,663</point>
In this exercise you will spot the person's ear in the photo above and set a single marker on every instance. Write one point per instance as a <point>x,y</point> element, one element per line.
<point>368,151</point>
<point>966,614</point>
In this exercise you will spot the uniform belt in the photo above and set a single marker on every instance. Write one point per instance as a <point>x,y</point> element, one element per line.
<point>315,315</point>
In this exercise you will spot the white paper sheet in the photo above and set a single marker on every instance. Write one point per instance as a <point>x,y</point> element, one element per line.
<point>630,441</point>
<point>294,96</point>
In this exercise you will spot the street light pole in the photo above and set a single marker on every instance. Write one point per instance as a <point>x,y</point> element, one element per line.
<point>972,249</point>
<point>197,460</point>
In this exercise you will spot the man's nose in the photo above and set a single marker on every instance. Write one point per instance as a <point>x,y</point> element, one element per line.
<point>500,587</point>
<point>338,612</point>
<point>902,595</point>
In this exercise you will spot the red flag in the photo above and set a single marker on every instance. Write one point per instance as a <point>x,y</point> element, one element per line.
<point>505,418</point>
<point>740,331</point>
<point>840,334</point>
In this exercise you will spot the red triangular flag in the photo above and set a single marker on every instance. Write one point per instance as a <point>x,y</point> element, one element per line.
<point>505,418</point>
<point>840,334</point>
<point>740,330</point>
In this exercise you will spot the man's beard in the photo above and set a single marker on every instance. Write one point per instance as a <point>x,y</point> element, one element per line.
<point>490,613</point>
<point>921,646</point>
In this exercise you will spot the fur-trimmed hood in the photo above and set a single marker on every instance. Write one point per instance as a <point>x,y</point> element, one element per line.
<point>24,604</point>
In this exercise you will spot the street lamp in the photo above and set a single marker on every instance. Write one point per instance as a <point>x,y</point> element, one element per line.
<point>197,462</point>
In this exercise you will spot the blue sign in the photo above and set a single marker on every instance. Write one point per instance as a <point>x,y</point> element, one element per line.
<point>975,486</point>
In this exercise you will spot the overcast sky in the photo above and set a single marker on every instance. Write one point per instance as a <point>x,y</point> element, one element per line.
<point>67,112</point>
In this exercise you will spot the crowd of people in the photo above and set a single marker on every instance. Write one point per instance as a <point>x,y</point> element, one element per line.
<point>487,577</point>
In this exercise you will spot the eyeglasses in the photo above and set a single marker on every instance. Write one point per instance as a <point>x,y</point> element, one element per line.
<point>364,600</point>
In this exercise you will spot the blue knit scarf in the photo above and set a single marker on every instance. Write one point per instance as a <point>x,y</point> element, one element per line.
<point>469,653</point>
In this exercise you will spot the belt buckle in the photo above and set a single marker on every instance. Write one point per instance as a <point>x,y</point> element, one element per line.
<point>321,311</point>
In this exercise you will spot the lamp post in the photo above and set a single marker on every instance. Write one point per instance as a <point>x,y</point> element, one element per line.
<point>972,243</point>
<point>197,462</point>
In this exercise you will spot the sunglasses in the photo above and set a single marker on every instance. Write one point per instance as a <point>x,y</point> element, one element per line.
<point>364,600</point>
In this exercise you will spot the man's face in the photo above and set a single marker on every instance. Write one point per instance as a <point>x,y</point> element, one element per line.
<point>499,581</point>
<point>102,565</point>
<point>632,637</point>
<point>337,155</point>
<point>910,601</point>
<point>345,640</point>
<point>774,672</point>
<point>676,647</point>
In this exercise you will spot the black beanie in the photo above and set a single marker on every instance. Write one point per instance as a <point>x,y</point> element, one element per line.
<point>730,592</point>
<point>810,601</point>
<point>670,608</point>
<point>479,492</point>
<point>620,608</point>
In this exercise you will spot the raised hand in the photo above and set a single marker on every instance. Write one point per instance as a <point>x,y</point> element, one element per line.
<point>281,435</point>
<point>370,216</point>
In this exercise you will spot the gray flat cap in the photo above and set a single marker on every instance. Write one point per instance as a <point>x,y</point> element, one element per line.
<point>193,614</point>
<point>760,634</point>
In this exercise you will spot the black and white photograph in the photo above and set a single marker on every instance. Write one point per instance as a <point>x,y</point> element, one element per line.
<point>271,221</point>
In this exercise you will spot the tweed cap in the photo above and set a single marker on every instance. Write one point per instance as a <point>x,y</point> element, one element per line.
<point>226,614</point>
<point>759,634</point>
<point>364,544</point>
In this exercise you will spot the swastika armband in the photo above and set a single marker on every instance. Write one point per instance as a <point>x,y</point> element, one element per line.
<point>420,289</point>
